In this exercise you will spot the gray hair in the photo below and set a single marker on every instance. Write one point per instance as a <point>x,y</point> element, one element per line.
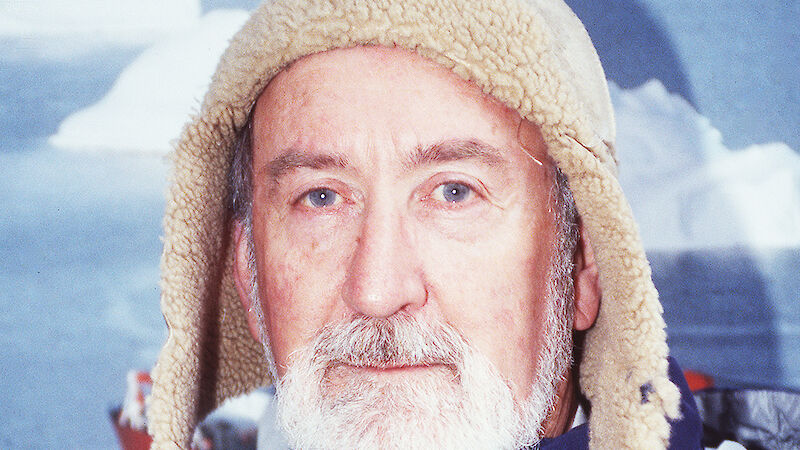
<point>240,176</point>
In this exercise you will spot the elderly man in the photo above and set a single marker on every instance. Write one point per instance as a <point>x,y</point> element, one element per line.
<point>406,215</point>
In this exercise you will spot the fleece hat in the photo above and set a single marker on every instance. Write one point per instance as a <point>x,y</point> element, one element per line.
<point>532,55</point>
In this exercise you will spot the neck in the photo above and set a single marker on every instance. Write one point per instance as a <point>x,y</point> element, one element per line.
<point>563,414</point>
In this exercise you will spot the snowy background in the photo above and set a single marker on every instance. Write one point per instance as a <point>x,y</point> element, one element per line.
<point>93,91</point>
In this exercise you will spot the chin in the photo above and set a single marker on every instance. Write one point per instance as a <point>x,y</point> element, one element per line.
<point>400,407</point>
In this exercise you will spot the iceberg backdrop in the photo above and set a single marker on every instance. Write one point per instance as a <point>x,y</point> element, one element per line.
<point>83,175</point>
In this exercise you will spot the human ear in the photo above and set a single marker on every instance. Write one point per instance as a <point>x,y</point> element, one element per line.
<point>242,277</point>
<point>586,282</point>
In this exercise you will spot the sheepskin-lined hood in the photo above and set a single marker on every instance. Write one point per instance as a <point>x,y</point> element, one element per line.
<point>532,55</point>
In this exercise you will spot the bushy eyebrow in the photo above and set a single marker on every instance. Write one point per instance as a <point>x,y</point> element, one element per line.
<point>456,150</point>
<point>295,159</point>
<point>443,151</point>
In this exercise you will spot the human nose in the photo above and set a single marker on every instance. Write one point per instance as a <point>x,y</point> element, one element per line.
<point>383,277</point>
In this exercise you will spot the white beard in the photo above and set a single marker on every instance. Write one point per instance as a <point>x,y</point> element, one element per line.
<point>324,403</point>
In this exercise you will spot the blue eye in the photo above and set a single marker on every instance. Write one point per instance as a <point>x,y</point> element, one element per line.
<point>320,198</point>
<point>455,192</point>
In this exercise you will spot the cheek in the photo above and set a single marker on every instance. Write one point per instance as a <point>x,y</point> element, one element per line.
<point>300,276</point>
<point>493,291</point>
<point>285,325</point>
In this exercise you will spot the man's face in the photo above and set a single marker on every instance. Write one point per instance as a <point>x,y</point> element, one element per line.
<point>387,189</point>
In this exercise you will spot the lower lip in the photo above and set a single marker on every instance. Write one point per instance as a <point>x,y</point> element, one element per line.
<point>392,371</point>
<point>344,372</point>
<point>396,369</point>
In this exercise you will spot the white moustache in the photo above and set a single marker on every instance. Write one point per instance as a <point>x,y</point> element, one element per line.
<point>398,341</point>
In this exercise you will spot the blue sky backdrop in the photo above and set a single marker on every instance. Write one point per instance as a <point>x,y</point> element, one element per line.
<point>718,206</point>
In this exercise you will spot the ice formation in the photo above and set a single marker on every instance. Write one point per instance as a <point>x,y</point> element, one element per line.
<point>153,97</point>
<point>687,189</point>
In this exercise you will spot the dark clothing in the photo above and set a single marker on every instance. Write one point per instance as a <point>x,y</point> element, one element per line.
<point>686,433</point>
<point>757,418</point>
